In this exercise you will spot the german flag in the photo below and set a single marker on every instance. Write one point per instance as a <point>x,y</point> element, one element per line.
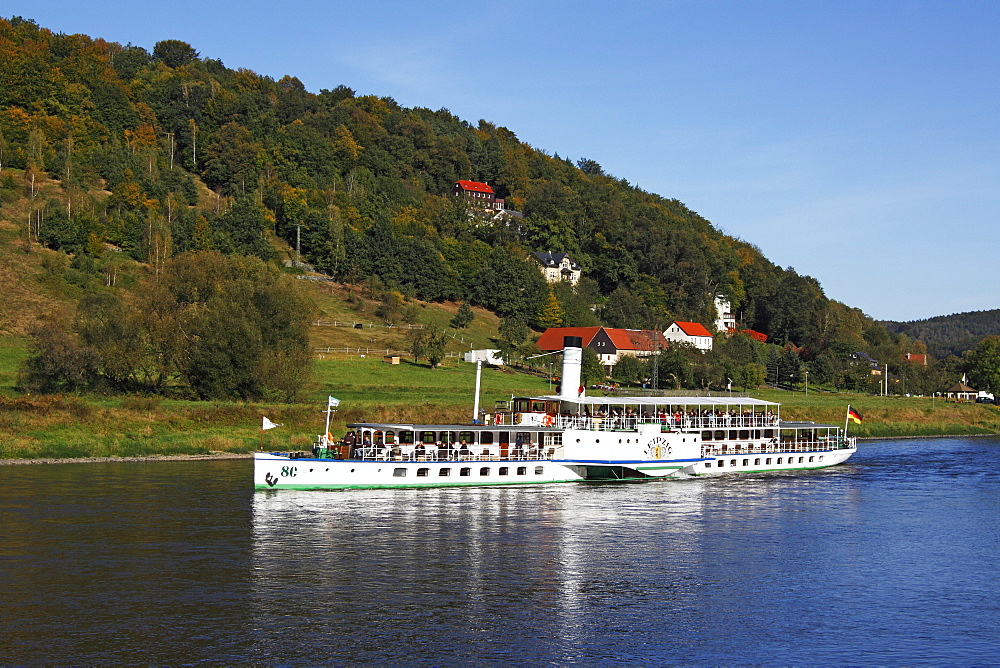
<point>854,415</point>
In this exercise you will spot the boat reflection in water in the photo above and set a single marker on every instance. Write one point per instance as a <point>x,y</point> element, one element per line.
<point>456,569</point>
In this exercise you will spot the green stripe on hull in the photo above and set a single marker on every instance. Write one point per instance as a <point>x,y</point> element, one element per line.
<point>418,486</point>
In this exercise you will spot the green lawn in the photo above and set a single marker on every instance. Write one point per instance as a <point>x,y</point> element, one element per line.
<point>370,390</point>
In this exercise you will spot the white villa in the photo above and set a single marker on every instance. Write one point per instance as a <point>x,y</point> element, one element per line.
<point>559,267</point>
<point>690,332</point>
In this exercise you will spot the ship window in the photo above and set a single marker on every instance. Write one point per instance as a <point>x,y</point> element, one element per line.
<point>744,434</point>
<point>768,461</point>
<point>503,470</point>
<point>779,460</point>
<point>720,435</point>
<point>746,462</point>
<point>811,458</point>
<point>732,462</point>
<point>539,470</point>
<point>444,472</point>
<point>522,470</point>
<point>732,434</point>
<point>399,473</point>
<point>768,433</point>
<point>708,465</point>
<point>427,437</point>
<point>537,406</point>
<point>800,460</point>
<point>422,473</point>
<point>378,437</point>
<point>465,471</point>
<point>465,436</point>
<point>520,405</point>
<point>721,463</point>
<point>756,461</point>
<point>756,433</point>
<point>821,457</point>
<point>406,437</point>
<point>484,471</point>
<point>706,436</point>
<point>486,437</point>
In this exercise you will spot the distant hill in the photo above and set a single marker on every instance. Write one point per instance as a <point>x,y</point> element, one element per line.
<point>950,334</point>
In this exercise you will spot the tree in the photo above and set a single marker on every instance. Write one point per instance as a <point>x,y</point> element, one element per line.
<point>550,315</point>
<point>591,369</point>
<point>435,344</point>
<point>628,370</point>
<point>174,52</point>
<point>463,317</point>
<point>984,365</point>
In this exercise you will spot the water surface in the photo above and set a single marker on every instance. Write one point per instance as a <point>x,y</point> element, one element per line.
<point>888,559</point>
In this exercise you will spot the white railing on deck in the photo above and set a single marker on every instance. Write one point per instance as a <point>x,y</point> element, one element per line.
<point>631,422</point>
<point>481,453</point>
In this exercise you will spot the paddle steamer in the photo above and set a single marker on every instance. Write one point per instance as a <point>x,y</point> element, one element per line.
<point>566,437</point>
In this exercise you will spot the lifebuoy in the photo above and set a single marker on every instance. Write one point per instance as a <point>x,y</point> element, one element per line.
<point>548,420</point>
<point>498,419</point>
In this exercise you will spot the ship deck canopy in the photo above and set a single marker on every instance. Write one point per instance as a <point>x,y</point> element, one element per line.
<point>690,401</point>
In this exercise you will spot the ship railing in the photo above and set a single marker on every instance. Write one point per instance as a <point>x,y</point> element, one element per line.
<point>479,453</point>
<point>776,446</point>
<point>632,422</point>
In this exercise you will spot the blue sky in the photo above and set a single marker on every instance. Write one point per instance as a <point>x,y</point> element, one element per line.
<point>858,142</point>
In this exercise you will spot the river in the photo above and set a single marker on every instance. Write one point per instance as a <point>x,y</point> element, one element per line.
<point>888,559</point>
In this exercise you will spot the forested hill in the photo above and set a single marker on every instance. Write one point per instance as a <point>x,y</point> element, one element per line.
<point>950,334</point>
<point>158,153</point>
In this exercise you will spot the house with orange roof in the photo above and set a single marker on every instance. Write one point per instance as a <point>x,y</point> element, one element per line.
<point>689,332</point>
<point>609,343</point>
<point>478,195</point>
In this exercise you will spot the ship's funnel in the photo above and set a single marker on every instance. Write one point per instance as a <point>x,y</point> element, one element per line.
<point>572,364</point>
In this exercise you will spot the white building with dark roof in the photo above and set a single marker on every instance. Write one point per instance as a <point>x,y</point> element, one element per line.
<point>559,267</point>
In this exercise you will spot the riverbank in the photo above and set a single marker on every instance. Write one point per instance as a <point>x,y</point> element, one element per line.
<point>151,458</point>
<point>136,428</point>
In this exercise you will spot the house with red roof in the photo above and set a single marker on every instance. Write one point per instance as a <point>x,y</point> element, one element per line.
<point>689,332</point>
<point>478,195</point>
<point>609,343</point>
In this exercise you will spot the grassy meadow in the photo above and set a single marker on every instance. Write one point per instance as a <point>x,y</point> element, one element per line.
<point>48,427</point>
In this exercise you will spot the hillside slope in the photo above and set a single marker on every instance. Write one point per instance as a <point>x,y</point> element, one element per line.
<point>950,334</point>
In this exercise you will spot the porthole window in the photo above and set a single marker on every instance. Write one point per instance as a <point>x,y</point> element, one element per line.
<point>465,471</point>
<point>539,470</point>
<point>732,462</point>
<point>422,473</point>
<point>444,472</point>
<point>768,461</point>
<point>484,471</point>
<point>399,473</point>
<point>821,457</point>
<point>503,470</point>
<point>708,465</point>
<point>756,461</point>
<point>800,460</point>
<point>746,462</point>
<point>811,458</point>
<point>522,470</point>
<point>779,460</point>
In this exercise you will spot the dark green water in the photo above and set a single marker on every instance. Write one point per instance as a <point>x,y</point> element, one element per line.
<point>889,559</point>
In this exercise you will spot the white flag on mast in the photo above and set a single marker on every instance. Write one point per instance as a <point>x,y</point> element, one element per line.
<point>333,402</point>
<point>267,424</point>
